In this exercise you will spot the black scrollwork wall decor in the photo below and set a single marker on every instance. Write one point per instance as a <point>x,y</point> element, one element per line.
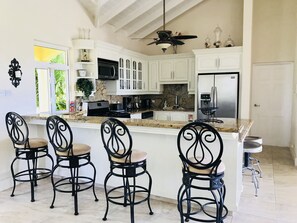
<point>15,72</point>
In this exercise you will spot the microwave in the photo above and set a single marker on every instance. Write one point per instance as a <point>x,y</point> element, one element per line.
<point>107,69</point>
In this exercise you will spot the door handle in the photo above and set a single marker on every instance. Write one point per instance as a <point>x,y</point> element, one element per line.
<point>256,105</point>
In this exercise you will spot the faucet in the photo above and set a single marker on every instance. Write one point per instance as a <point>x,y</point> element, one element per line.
<point>175,106</point>
<point>165,105</point>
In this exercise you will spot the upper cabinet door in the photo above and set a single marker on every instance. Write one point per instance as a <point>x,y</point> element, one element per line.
<point>153,75</point>
<point>218,59</point>
<point>229,61</point>
<point>166,70</point>
<point>180,72</point>
<point>173,70</point>
<point>207,62</point>
<point>191,76</point>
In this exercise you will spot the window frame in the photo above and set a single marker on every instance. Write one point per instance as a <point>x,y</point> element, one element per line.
<point>52,67</point>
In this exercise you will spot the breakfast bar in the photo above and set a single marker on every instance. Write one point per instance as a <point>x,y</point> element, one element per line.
<point>158,139</point>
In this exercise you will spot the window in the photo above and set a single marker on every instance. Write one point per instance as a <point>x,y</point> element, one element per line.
<point>51,79</point>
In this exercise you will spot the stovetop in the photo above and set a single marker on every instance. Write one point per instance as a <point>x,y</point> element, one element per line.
<point>101,108</point>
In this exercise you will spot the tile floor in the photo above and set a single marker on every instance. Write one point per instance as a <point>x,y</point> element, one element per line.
<point>276,203</point>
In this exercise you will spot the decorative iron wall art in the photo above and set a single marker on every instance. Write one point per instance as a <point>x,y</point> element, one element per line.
<point>15,72</point>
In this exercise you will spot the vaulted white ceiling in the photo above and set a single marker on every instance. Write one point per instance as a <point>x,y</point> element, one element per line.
<point>138,18</point>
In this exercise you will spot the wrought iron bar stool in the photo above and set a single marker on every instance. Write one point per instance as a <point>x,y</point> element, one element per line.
<point>71,156</point>
<point>252,145</point>
<point>202,193</point>
<point>28,151</point>
<point>126,164</point>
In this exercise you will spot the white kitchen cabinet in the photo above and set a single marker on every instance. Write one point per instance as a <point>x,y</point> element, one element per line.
<point>218,59</point>
<point>160,115</point>
<point>133,77</point>
<point>172,115</point>
<point>154,86</point>
<point>191,76</point>
<point>173,70</point>
<point>139,75</point>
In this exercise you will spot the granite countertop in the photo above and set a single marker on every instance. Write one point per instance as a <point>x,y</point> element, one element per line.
<point>241,126</point>
<point>163,110</point>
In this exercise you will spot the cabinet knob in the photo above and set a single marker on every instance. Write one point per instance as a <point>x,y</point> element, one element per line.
<point>256,105</point>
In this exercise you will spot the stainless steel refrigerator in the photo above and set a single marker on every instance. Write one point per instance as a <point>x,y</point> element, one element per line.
<point>217,95</point>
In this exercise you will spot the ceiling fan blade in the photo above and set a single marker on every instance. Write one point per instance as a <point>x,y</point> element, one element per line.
<point>154,38</point>
<point>185,37</point>
<point>176,42</point>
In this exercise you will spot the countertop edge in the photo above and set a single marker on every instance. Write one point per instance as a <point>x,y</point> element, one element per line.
<point>240,126</point>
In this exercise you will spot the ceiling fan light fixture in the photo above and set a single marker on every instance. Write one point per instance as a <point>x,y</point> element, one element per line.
<point>164,46</point>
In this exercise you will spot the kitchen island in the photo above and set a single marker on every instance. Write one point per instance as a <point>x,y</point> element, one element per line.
<point>159,140</point>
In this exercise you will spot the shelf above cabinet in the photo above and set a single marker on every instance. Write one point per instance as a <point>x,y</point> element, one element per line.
<point>85,63</point>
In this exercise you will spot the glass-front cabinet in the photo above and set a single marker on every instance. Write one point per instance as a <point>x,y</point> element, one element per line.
<point>131,76</point>
<point>121,74</point>
<point>137,81</point>
<point>128,74</point>
<point>140,82</point>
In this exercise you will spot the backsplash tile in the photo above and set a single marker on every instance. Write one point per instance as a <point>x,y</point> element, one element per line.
<point>170,92</point>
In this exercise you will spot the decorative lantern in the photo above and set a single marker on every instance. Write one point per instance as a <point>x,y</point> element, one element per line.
<point>218,31</point>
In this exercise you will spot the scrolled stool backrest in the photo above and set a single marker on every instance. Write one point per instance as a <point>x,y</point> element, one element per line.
<point>116,138</point>
<point>17,128</point>
<point>59,134</point>
<point>200,146</point>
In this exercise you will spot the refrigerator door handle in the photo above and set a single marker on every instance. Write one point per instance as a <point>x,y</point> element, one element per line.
<point>215,97</point>
<point>212,97</point>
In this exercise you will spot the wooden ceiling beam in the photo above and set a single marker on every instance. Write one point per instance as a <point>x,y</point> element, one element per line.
<point>106,15</point>
<point>148,5</point>
<point>151,18</point>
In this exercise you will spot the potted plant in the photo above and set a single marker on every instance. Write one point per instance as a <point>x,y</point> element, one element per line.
<point>85,85</point>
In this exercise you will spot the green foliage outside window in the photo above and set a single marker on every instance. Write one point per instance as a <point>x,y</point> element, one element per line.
<point>60,84</point>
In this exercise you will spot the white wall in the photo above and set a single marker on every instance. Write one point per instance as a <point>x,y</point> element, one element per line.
<point>274,30</point>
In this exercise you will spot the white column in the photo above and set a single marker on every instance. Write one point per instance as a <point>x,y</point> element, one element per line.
<point>245,82</point>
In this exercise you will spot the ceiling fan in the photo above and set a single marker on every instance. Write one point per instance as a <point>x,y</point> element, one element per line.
<point>166,39</point>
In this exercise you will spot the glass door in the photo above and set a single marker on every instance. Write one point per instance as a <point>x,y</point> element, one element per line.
<point>134,76</point>
<point>139,76</point>
<point>128,74</point>
<point>121,74</point>
<point>43,101</point>
<point>53,97</point>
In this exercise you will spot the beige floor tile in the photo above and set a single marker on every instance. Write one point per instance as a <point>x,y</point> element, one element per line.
<point>286,213</point>
<point>248,218</point>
